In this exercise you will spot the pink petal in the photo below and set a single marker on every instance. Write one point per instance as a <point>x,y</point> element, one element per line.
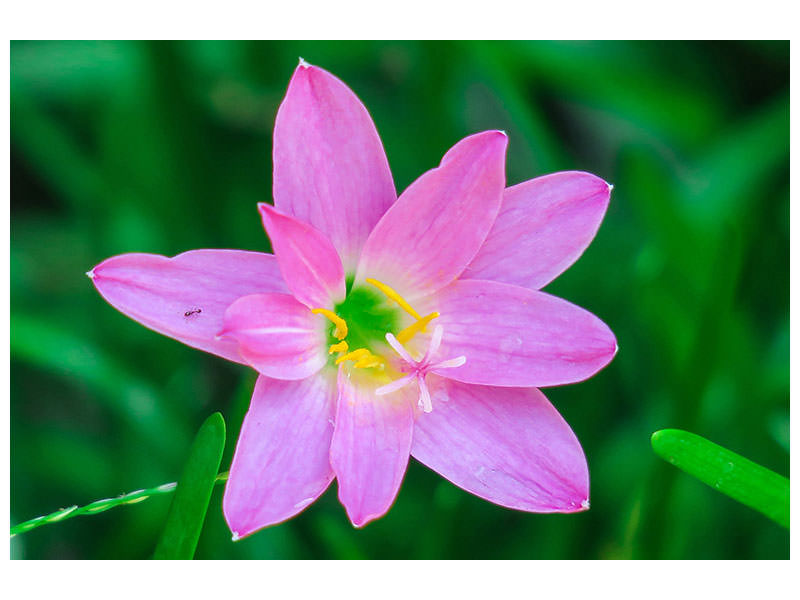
<point>278,336</point>
<point>309,263</point>
<point>438,224</point>
<point>507,445</point>
<point>544,225</point>
<point>185,297</point>
<point>513,336</point>
<point>370,447</point>
<point>281,461</point>
<point>330,169</point>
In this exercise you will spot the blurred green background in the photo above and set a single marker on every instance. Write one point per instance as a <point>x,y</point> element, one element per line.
<point>164,147</point>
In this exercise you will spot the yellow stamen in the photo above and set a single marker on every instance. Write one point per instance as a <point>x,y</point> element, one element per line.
<point>362,358</point>
<point>369,361</point>
<point>341,326</point>
<point>340,347</point>
<point>415,328</point>
<point>392,295</point>
<point>356,355</point>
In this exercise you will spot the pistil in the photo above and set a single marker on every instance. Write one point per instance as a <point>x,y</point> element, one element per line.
<point>418,370</point>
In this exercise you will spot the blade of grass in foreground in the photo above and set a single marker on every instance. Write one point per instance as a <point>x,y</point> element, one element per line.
<point>99,506</point>
<point>188,510</point>
<point>741,479</point>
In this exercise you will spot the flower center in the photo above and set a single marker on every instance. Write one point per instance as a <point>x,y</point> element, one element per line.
<point>360,324</point>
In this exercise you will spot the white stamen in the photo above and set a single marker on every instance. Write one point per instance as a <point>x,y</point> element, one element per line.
<point>424,395</point>
<point>450,363</point>
<point>398,347</point>
<point>235,537</point>
<point>90,274</point>
<point>395,385</point>
<point>303,63</point>
<point>436,341</point>
<point>585,504</point>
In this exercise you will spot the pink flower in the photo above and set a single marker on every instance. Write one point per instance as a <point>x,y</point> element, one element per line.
<point>385,327</point>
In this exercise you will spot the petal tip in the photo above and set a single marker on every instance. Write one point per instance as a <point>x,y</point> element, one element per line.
<point>499,141</point>
<point>361,521</point>
<point>572,505</point>
<point>302,64</point>
<point>610,187</point>
<point>90,274</point>
<point>268,215</point>
<point>495,135</point>
<point>235,537</point>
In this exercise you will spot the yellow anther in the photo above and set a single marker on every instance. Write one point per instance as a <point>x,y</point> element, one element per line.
<point>356,355</point>
<point>415,328</point>
<point>362,358</point>
<point>369,361</point>
<point>340,347</point>
<point>392,295</point>
<point>341,325</point>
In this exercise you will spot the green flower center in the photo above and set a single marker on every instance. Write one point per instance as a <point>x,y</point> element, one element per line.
<point>368,318</point>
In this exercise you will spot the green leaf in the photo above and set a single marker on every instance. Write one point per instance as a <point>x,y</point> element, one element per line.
<point>188,510</point>
<point>733,475</point>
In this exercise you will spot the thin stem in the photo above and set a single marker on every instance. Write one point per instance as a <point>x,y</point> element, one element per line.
<point>99,506</point>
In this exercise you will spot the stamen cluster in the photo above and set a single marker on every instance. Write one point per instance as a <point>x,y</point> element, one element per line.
<point>417,369</point>
<point>362,357</point>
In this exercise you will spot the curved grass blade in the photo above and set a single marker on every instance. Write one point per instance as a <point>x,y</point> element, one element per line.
<point>733,475</point>
<point>99,506</point>
<point>188,510</point>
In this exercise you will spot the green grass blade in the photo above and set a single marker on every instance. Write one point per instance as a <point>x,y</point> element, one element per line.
<point>99,506</point>
<point>733,475</point>
<point>188,510</point>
